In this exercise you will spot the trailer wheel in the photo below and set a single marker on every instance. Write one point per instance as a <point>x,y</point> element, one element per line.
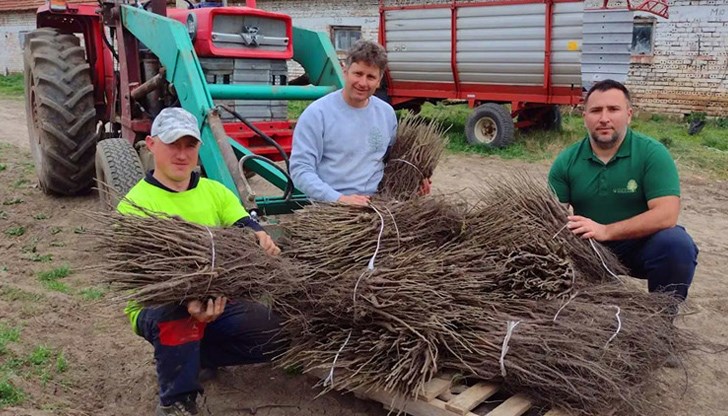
<point>490,125</point>
<point>59,108</point>
<point>544,118</point>
<point>118,169</point>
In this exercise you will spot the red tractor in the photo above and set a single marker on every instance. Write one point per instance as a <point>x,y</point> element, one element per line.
<point>98,73</point>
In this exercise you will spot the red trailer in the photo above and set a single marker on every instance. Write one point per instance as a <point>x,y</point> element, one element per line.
<point>526,53</point>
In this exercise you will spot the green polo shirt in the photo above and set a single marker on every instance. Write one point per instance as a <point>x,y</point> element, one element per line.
<point>641,170</point>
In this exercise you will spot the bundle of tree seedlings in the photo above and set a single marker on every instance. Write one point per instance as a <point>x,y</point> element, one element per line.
<point>413,158</point>
<point>386,296</point>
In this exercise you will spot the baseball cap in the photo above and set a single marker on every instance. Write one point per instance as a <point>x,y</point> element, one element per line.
<point>173,123</point>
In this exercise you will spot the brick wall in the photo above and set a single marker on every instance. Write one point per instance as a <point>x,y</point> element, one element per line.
<point>689,68</point>
<point>11,54</point>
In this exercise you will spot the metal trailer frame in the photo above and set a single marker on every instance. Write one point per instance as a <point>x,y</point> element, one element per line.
<point>402,94</point>
<point>474,94</point>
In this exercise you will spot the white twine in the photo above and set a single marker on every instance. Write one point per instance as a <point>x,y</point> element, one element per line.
<point>563,306</point>
<point>212,240</point>
<point>329,381</point>
<point>594,247</point>
<point>409,163</point>
<point>370,266</point>
<point>619,324</point>
<point>560,230</point>
<point>504,349</point>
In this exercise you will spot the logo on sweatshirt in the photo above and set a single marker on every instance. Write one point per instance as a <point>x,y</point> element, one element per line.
<point>376,140</point>
<point>629,189</point>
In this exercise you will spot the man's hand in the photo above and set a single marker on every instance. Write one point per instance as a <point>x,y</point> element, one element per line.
<point>206,312</point>
<point>587,228</point>
<point>353,199</point>
<point>267,244</point>
<point>425,187</point>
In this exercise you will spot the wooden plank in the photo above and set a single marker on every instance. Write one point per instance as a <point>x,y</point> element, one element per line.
<point>434,407</point>
<point>472,397</point>
<point>434,388</point>
<point>514,406</point>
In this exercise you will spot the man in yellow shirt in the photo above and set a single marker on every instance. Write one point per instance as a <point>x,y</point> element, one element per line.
<point>201,334</point>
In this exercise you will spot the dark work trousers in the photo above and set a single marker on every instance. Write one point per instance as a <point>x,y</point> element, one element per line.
<point>246,332</point>
<point>667,259</point>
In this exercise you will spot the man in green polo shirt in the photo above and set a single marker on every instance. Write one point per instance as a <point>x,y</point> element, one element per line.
<point>201,334</point>
<point>625,192</point>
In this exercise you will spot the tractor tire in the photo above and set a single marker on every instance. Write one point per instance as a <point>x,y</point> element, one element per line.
<point>544,118</point>
<point>491,125</point>
<point>118,169</point>
<point>59,107</point>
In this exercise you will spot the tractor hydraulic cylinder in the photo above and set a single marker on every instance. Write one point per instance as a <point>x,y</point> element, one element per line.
<point>267,92</point>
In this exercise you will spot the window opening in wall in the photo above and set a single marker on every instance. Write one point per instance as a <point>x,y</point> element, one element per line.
<point>343,37</point>
<point>643,36</point>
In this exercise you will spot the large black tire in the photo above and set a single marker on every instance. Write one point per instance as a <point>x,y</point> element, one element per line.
<point>59,107</point>
<point>490,125</point>
<point>118,169</point>
<point>546,118</point>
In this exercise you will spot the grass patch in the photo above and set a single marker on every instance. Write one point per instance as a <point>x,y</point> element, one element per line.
<point>40,216</point>
<point>12,201</point>
<point>51,279</point>
<point>40,356</point>
<point>3,167</point>
<point>295,108</point>
<point>19,183</point>
<point>12,85</point>
<point>56,230</point>
<point>15,231</point>
<point>3,215</point>
<point>8,335</point>
<point>79,230</point>
<point>9,394</point>
<point>92,293</point>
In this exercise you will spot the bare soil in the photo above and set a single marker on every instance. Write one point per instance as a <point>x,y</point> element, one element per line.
<point>110,370</point>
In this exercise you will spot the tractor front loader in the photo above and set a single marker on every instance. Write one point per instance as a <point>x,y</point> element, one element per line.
<point>97,74</point>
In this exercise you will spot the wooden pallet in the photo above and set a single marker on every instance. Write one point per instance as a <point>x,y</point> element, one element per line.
<point>443,397</point>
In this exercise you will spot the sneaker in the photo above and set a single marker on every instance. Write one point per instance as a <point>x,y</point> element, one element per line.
<point>186,407</point>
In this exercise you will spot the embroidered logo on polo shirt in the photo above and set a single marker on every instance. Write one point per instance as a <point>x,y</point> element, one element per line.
<point>629,189</point>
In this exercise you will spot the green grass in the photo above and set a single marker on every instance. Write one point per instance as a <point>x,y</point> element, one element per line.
<point>92,293</point>
<point>12,85</point>
<point>3,167</point>
<point>40,356</point>
<point>40,216</point>
<point>51,279</point>
<point>9,394</point>
<point>7,335</point>
<point>15,231</point>
<point>12,201</point>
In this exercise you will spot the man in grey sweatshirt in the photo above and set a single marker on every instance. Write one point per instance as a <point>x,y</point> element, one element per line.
<point>341,139</point>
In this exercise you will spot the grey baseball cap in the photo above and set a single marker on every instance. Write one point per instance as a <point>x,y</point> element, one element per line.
<point>173,123</point>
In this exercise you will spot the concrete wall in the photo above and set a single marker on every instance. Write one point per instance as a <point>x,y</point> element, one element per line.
<point>689,68</point>
<point>11,24</point>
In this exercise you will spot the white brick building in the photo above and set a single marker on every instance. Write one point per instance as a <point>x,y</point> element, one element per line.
<point>681,64</point>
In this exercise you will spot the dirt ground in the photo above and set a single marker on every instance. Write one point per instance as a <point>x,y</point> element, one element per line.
<point>110,370</point>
